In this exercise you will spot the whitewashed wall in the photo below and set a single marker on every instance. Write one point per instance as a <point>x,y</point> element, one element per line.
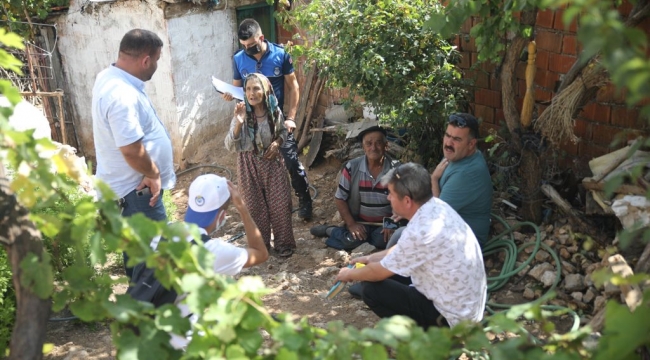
<point>202,45</point>
<point>196,46</point>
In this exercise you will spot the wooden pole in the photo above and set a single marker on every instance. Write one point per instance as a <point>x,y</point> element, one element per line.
<point>529,98</point>
<point>61,118</point>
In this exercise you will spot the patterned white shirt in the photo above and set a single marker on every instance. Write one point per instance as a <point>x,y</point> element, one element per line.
<point>440,253</point>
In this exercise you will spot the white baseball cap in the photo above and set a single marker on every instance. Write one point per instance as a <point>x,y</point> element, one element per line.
<point>206,196</point>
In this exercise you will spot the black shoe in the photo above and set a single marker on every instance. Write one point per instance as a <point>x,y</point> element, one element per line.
<point>355,290</point>
<point>304,207</point>
<point>320,230</point>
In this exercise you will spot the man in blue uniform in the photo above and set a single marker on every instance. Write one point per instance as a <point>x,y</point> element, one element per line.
<point>270,60</point>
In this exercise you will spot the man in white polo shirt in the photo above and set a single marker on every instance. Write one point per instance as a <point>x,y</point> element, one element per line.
<point>435,274</point>
<point>133,149</point>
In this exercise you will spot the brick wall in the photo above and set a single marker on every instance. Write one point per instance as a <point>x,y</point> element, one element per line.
<point>597,124</point>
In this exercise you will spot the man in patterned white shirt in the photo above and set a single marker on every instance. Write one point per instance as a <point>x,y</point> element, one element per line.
<point>435,274</point>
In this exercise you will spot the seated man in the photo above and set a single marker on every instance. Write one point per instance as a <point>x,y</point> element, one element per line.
<point>462,178</point>
<point>435,269</point>
<point>361,197</point>
<point>208,199</point>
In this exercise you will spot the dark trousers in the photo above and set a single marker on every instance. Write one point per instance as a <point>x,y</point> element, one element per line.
<point>395,296</point>
<point>342,239</point>
<point>289,151</point>
<point>133,204</point>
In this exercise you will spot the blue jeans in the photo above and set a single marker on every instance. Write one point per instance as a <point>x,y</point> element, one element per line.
<point>342,239</point>
<point>133,204</point>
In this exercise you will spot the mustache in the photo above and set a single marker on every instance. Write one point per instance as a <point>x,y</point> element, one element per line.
<point>449,148</point>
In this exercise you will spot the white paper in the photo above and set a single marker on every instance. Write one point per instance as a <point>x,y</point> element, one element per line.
<point>223,87</point>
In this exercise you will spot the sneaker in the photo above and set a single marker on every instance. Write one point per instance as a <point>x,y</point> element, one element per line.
<point>320,230</point>
<point>304,207</point>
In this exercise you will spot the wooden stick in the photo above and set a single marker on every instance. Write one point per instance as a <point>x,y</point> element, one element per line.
<point>613,165</point>
<point>590,184</point>
<point>529,97</point>
<point>302,105</point>
<point>61,119</point>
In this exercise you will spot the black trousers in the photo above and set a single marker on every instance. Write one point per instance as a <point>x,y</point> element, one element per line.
<point>395,296</point>
<point>289,151</point>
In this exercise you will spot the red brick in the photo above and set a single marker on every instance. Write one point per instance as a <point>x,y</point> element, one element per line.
<point>570,45</point>
<point>559,23</point>
<point>550,80</point>
<point>569,148</point>
<point>560,63</point>
<point>495,83</point>
<point>542,95</point>
<point>485,113</point>
<point>542,59</point>
<point>625,8</point>
<point>591,151</point>
<point>480,78</point>
<point>468,43</point>
<point>466,27</point>
<point>499,116</point>
<point>487,128</point>
<point>519,101</point>
<point>520,70</point>
<point>626,118</point>
<point>609,94</point>
<point>547,40</point>
<point>474,58</point>
<point>488,98</point>
<point>545,18</point>
<point>603,134</point>
<point>465,61</point>
<point>597,112</point>
<point>456,41</point>
<point>582,129</point>
<point>521,87</point>
<point>645,26</point>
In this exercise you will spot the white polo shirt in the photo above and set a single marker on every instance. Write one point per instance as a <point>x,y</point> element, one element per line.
<point>440,253</point>
<point>123,114</point>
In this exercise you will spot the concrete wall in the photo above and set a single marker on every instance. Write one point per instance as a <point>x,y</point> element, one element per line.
<point>198,43</point>
<point>197,55</point>
<point>88,42</point>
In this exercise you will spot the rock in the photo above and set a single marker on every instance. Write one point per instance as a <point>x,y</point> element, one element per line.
<point>548,278</point>
<point>563,239</point>
<point>567,268</point>
<point>318,212</point>
<point>550,243</point>
<point>599,303</point>
<point>573,249</point>
<point>564,253</point>
<point>342,255</point>
<point>611,290</point>
<point>577,295</point>
<point>542,256</point>
<point>326,271</point>
<point>537,271</point>
<point>519,236</point>
<point>523,271</point>
<point>79,354</point>
<point>549,229</point>
<point>593,267</point>
<point>574,282</point>
<point>529,293</point>
<point>589,296</point>
<point>319,255</point>
<point>337,218</point>
<point>363,249</point>
<point>362,313</point>
<point>489,264</point>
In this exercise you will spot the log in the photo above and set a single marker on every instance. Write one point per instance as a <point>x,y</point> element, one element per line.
<point>627,189</point>
<point>20,237</point>
<point>314,95</point>
<point>304,97</point>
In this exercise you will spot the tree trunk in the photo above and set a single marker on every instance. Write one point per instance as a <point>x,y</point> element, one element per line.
<point>20,237</point>
<point>531,170</point>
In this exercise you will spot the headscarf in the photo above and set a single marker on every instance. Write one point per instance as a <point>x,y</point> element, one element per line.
<point>270,103</point>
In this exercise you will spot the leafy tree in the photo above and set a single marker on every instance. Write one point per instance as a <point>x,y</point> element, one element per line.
<point>17,12</point>
<point>381,51</point>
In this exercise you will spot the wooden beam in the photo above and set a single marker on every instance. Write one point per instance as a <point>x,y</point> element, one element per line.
<point>590,184</point>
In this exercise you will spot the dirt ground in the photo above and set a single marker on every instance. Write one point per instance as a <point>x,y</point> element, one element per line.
<point>300,282</point>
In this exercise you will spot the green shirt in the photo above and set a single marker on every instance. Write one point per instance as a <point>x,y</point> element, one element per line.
<point>467,187</point>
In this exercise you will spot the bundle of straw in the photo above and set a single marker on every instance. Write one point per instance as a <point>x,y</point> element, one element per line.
<point>556,123</point>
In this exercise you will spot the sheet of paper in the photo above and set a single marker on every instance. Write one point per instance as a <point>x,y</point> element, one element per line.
<point>223,87</point>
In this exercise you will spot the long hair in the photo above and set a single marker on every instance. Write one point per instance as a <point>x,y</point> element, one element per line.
<point>270,104</point>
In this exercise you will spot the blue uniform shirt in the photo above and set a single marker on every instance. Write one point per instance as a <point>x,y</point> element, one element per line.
<point>275,64</point>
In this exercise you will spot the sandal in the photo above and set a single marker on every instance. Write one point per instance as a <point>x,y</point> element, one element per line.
<point>285,253</point>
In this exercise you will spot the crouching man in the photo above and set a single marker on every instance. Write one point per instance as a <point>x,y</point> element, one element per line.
<point>435,273</point>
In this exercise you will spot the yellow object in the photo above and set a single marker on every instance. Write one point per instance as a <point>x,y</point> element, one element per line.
<point>359,265</point>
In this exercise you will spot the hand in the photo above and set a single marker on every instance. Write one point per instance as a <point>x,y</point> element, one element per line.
<point>439,170</point>
<point>240,113</point>
<point>227,96</point>
<point>358,231</point>
<point>290,125</point>
<point>272,151</point>
<point>344,275</point>
<point>154,184</point>
<point>360,259</point>
<point>396,218</point>
<point>387,234</point>
<point>235,196</point>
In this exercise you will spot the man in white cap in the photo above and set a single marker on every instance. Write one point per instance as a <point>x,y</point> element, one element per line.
<point>208,199</point>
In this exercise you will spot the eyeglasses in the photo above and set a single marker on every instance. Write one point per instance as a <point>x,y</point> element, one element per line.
<point>399,177</point>
<point>457,121</point>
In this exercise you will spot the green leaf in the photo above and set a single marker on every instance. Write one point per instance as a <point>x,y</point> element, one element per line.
<point>374,351</point>
<point>624,331</point>
<point>286,354</point>
<point>37,274</point>
<point>169,319</point>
